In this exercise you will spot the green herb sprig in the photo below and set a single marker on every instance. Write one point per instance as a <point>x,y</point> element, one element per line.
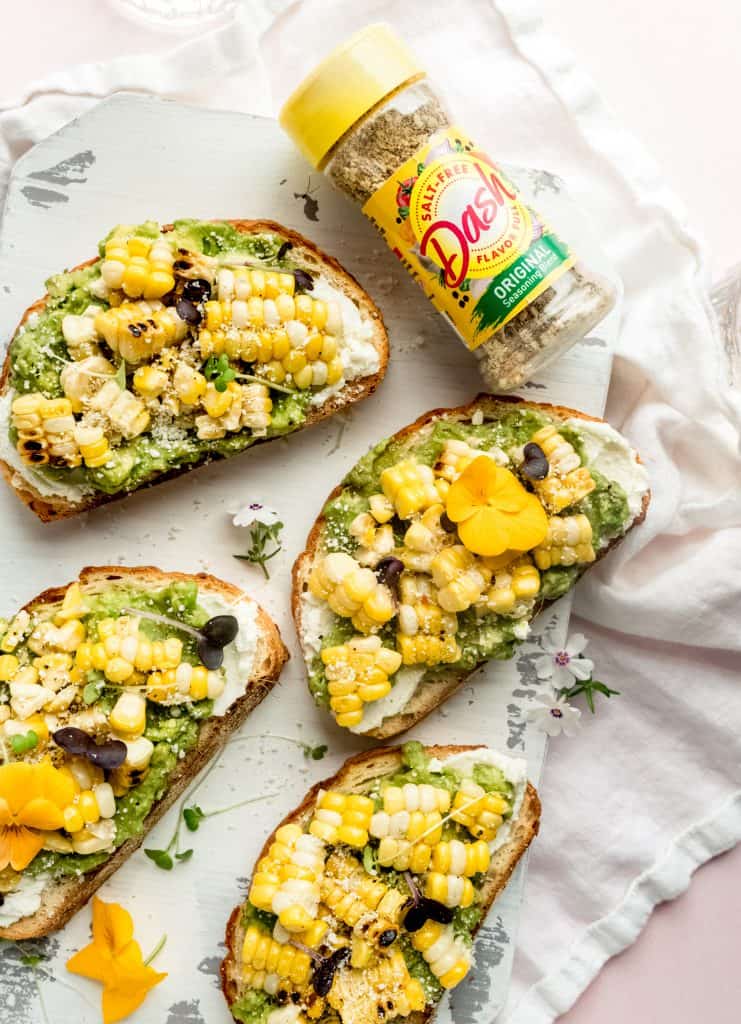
<point>589,687</point>
<point>265,544</point>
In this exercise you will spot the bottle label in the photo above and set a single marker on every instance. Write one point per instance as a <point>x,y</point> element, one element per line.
<point>461,229</point>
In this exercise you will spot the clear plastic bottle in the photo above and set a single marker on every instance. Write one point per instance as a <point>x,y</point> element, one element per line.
<point>513,290</point>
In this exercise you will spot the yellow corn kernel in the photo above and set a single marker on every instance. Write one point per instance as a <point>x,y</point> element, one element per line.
<point>93,445</point>
<point>117,670</point>
<point>69,635</point>
<point>8,667</point>
<point>428,650</point>
<point>410,486</point>
<point>216,403</point>
<point>73,819</point>
<point>129,715</point>
<point>150,381</point>
<point>198,689</point>
<point>72,605</point>
<point>568,542</point>
<point>87,805</point>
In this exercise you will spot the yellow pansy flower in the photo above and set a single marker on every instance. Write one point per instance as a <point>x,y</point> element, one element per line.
<point>114,958</point>
<point>493,511</point>
<point>32,799</point>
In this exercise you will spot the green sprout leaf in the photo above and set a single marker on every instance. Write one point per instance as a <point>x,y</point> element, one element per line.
<point>31,959</point>
<point>161,858</point>
<point>193,816</point>
<point>265,544</point>
<point>22,744</point>
<point>218,371</point>
<point>185,855</point>
<point>316,753</point>
<point>92,691</point>
<point>120,376</point>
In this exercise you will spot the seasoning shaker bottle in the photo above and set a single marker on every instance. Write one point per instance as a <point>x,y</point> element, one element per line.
<point>515,293</point>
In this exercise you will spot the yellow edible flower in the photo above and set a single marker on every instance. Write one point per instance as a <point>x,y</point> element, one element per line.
<point>32,801</point>
<point>114,958</point>
<point>493,510</point>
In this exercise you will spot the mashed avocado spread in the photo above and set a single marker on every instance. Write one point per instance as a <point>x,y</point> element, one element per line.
<point>223,376</point>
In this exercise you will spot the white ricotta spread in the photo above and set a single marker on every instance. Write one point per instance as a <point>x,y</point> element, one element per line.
<point>23,901</point>
<point>357,351</point>
<point>514,770</point>
<point>317,619</point>
<point>394,701</point>
<point>239,655</point>
<point>46,487</point>
<point>611,455</point>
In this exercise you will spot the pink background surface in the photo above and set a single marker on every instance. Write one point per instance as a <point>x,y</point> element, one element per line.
<point>684,70</point>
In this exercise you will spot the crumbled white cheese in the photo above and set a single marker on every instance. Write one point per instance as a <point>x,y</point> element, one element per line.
<point>611,455</point>
<point>23,901</point>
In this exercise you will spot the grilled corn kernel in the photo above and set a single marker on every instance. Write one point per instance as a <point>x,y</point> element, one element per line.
<point>8,667</point>
<point>568,542</point>
<point>129,715</point>
<point>410,486</point>
<point>480,812</point>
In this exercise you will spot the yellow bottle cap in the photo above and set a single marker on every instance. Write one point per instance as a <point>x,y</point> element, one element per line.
<point>346,85</point>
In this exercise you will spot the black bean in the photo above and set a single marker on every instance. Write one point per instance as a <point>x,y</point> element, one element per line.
<point>387,938</point>
<point>389,570</point>
<point>211,656</point>
<point>535,466</point>
<point>73,740</point>
<point>427,910</point>
<point>323,976</point>
<point>283,250</point>
<point>447,523</point>
<point>220,630</point>
<point>188,311</point>
<point>304,281</point>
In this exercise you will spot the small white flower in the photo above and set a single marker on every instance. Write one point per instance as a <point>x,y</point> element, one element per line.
<point>255,512</point>
<point>554,715</point>
<point>563,665</point>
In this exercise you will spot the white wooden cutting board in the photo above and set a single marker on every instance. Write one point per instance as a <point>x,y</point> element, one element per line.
<point>133,158</point>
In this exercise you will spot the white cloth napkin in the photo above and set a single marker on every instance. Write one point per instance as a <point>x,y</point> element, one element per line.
<point>650,788</point>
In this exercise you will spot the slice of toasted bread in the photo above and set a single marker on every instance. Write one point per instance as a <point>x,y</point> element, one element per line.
<point>433,689</point>
<point>355,776</point>
<point>62,899</point>
<point>308,255</point>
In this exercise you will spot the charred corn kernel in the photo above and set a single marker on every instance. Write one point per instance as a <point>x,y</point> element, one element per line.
<point>138,331</point>
<point>568,542</point>
<point>93,445</point>
<point>519,582</point>
<point>567,481</point>
<point>412,797</point>
<point>480,812</point>
<point>286,961</point>
<point>189,384</point>
<point>8,667</point>
<point>256,406</point>
<point>79,333</point>
<point>139,266</point>
<point>342,818</point>
<point>410,486</point>
<point>428,650</point>
<point>451,890</point>
<point>150,381</point>
<point>448,957</point>
<point>132,771</point>
<point>73,819</point>
<point>129,715</point>
<point>359,900</point>
<point>387,988</point>
<point>460,577</point>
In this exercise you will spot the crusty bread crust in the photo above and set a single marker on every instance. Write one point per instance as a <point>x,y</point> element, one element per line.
<point>432,691</point>
<point>62,900</point>
<point>353,777</point>
<point>52,508</point>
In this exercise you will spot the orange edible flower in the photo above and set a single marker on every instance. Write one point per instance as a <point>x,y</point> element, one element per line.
<point>493,510</point>
<point>115,959</point>
<point>32,798</point>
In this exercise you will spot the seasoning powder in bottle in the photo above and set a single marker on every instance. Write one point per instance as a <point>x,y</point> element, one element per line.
<point>513,290</point>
